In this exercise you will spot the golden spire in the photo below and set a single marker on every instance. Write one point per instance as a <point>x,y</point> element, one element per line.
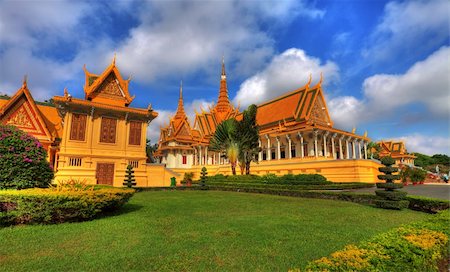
<point>114,59</point>
<point>223,103</point>
<point>180,110</point>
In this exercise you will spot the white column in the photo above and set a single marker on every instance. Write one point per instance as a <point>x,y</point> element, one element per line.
<point>333,148</point>
<point>359,149</point>
<point>278,148</point>
<point>302,150</point>
<point>315,144</point>
<point>346,148</point>
<point>341,153</point>
<point>206,155</point>
<point>365,150</point>
<point>353,149</point>
<point>200,155</point>
<point>260,152</point>
<point>269,148</point>
<point>289,146</point>
<point>325,144</point>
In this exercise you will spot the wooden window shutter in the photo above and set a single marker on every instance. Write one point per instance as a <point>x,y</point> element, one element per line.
<point>135,133</point>
<point>108,130</point>
<point>78,127</point>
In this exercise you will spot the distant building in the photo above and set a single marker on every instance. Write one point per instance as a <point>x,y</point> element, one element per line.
<point>396,150</point>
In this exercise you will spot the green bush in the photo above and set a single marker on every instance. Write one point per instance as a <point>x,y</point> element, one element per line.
<point>388,161</point>
<point>23,160</point>
<point>392,204</point>
<point>389,185</point>
<point>428,205</point>
<point>415,247</point>
<point>391,195</point>
<point>47,206</point>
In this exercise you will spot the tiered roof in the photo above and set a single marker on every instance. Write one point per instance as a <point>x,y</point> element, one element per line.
<point>395,149</point>
<point>107,92</point>
<point>42,121</point>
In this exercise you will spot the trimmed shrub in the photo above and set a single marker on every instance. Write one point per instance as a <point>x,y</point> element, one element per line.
<point>390,199</point>
<point>392,204</point>
<point>203,177</point>
<point>389,185</point>
<point>129,180</point>
<point>428,205</point>
<point>416,247</point>
<point>391,195</point>
<point>23,160</point>
<point>47,206</point>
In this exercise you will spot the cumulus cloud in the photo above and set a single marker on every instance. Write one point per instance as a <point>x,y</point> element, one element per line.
<point>286,72</point>
<point>409,27</point>
<point>426,83</point>
<point>426,144</point>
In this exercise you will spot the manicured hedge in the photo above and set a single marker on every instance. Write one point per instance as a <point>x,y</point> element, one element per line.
<point>420,246</point>
<point>425,204</point>
<point>47,206</point>
<point>289,179</point>
<point>331,186</point>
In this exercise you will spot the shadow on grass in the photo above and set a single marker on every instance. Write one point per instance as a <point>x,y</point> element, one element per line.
<point>127,208</point>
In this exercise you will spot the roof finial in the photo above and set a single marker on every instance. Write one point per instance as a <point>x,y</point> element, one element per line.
<point>24,83</point>
<point>321,78</point>
<point>309,81</point>
<point>223,67</point>
<point>114,59</point>
<point>181,89</point>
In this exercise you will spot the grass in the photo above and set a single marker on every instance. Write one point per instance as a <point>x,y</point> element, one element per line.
<point>198,231</point>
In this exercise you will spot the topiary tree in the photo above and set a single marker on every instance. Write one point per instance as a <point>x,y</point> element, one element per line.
<point>23,160</point>
<point>129,180</point>
<point>390,197</point>
<point>203,177</point>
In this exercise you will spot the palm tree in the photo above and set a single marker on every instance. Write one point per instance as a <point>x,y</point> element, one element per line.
<point>248,135</point>
<point>225,141</point>
<point>373,149</point>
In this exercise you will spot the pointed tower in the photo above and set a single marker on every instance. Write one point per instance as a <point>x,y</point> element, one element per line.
<point>223,103</point>
<point>181,114</point>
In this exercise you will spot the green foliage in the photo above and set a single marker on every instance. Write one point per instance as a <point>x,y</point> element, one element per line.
<point>417,175</point>
<point>415,247</point>
<point>373,150</point>
<point>225,141</point>
<point>391,195</point>
<point>392,204</point>
<point>23,160</point>
<point>150,150</point>
<point>388,161</point>
<point>48,206</point>
<point>426,204</point>
<point>129,181</point>
<point>188,176</point>
<point>247,133</point>
<point>389,186</point>
<point>203,177</point>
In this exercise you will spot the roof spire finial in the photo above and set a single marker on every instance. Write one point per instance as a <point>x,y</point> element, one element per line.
<point>114,59</point>
<point>321,78</point>
<point>181,89</point>
<point>180,110</point>
<point>24,83</point>
<point>309,81</point>
<point>224,75</point>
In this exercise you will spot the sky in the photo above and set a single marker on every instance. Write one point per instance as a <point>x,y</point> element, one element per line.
<point>385,64</point>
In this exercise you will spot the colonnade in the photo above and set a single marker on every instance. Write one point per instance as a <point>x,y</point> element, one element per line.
<point>306,144</point>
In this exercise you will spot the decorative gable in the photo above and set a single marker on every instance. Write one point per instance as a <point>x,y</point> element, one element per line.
<point>110,88</point>
<point>319,112</point>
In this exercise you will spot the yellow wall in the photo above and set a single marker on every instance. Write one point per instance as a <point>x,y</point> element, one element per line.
<point>333,170</point>
<point>92,151</point>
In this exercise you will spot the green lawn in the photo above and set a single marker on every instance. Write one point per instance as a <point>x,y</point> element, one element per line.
<point>197,231</point>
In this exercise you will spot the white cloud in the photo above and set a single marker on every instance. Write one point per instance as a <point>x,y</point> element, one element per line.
<point>426,144</point>
<point>409,27</point>
<point>286,72</point>
<point>426,82</point>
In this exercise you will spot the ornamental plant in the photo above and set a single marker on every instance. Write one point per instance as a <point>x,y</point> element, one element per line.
<point>23,160</point>
<point>203,177</point>
<point>129,181</point>
<point>390,197</point>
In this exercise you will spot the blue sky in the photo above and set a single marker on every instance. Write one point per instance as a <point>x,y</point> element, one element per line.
<point>385,63</point>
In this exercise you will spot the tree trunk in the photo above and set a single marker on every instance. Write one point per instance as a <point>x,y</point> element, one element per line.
<point>247,168</point>
<point>233,169</point>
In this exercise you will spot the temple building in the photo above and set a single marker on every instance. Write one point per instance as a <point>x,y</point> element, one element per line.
<point>39,120</point>
<point>101,133</point>
<point>397,151</point>
<point>296,136</point>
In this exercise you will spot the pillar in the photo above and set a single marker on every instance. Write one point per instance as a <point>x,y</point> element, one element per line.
<point>278,148</point>
<point>325,144</point>
<point>346,149</point>
<point>260,151</point>
<point>206,155</point>
<point>269,148</point>
<point>341,153</point>
<point>315,144</point>
<point>359,149</point>
<point>353,149</point>
<point>200,155</point>
<point>289,146</point>
<point>365,150</point>
<point>333,148</point>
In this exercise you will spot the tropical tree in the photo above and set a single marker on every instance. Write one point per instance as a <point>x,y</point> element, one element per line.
<point>150,150</point>
<point>225,141</point>
<point>248,135</point>
<point>373,149</point>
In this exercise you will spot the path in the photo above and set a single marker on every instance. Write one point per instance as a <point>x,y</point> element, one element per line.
<point>440,190</point>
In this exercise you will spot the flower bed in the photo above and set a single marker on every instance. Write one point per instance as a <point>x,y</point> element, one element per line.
<point>48,206</point>
<point>416,247</point>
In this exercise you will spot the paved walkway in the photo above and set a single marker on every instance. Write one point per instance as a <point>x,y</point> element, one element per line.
<point>436,190</point>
